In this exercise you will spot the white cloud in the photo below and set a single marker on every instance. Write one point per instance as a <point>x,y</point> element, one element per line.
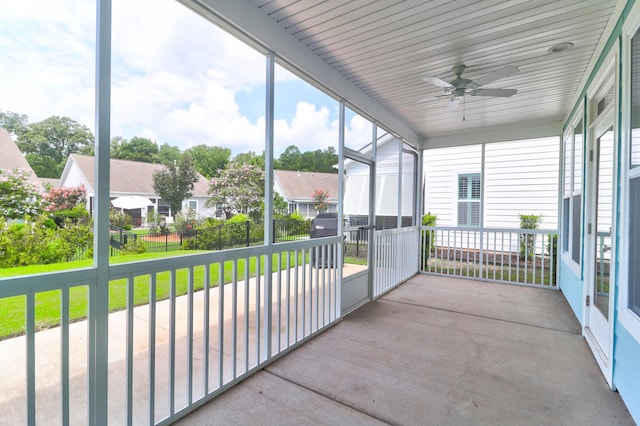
<point>311,128</point>
<point>175,76</point>
<point>47,58</point>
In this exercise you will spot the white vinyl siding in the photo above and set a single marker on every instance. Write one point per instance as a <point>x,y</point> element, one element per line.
<point>442,167</point>
<point>356,196</point>
<point>521,177</point>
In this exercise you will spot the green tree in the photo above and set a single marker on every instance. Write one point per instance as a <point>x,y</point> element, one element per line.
<point>18,197</point>
<point>320,161</point>
<point>168,154</point>
<point>48,144</point>
<point>175,182</point>
<point>309,161</point>
<point>13,122</point>
<point>250,158</point>
<point>290,159</point>
<point>280,206</point>
<point>238,189</point>
<point>209,160</point>
<point>136,149</point>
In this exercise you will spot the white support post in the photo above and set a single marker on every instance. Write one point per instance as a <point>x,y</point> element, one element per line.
<point>98,339</point>
<point>399,170</point>
<point>341,123</point>
<point>372,211</point>
<point>268,210</point>
<point>482,180</point>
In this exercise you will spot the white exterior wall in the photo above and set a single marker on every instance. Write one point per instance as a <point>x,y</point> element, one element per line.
<point>356,198</point>
<point>521,177</point>
<point>442,167</point>
<point>202,210</point>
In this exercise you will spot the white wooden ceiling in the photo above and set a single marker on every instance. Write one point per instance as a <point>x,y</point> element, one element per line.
<point>387,47</point>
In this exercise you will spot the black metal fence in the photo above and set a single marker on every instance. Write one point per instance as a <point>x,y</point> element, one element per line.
<point>221,237</point>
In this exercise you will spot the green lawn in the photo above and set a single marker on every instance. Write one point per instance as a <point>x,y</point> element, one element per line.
<point>12,310</point>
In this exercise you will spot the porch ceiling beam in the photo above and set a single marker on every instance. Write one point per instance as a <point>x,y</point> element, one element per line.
<point>243,19</point>
<point>505,133</point>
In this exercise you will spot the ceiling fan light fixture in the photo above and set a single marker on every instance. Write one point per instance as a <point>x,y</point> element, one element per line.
<point>561,47</point>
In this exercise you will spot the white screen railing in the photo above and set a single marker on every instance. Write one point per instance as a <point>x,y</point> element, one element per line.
<point>192,326</point>
<point>395,254</point>
<point>518,256</point>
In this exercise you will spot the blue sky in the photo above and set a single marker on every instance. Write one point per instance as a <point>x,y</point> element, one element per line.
<point>176,78</point>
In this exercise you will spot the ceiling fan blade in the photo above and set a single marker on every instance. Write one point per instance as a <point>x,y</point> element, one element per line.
<point>452,105</point>
<point>437,82</point>
<point>503,72</point>
<point>500,93</point>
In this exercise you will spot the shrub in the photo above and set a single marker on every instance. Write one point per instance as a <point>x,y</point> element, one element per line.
<point>133,246</point>
<point>64,198</point>
<point>235,229</point>
<point>74,215</point>
<point>18,197</point>
<point>156,222</point>
<point>73,238</point>
<point>26,243</point>
<point>428,237</point>
<point>119,219</point>
<point>295,216</point>
<point>185,220</point>
<point>527,241</point>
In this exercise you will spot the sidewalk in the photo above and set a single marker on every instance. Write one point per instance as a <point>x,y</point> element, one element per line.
<point>48,401</point>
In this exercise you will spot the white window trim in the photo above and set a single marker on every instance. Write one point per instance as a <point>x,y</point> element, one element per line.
<point>566,256</point>
<point>629,319</point>
<point>457,199</point>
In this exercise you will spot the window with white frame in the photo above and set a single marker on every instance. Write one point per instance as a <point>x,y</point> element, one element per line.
<point>193,204</point>
<point>572,192</point>
<point>633,240</point>
<point>469,189</point>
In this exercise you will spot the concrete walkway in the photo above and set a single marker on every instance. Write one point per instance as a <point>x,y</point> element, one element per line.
<point>13,406</point>
<point>435,351</point>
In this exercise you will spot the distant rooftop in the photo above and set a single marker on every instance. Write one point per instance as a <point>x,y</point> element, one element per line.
<point>12,158</point>
<point>299,186</point>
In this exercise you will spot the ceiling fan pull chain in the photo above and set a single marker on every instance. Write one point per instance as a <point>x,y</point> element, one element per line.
<point>464,108</point>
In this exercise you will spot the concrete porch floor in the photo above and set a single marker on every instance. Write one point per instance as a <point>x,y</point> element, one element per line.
<point>434,351</point>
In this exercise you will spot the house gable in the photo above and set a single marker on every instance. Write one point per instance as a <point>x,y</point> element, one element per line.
<point>12,159</point>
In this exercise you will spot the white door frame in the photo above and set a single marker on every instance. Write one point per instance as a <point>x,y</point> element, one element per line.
<point>357,289</point>
<point>598,333</point>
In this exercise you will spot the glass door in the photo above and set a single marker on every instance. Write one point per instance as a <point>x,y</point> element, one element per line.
<point>598,302</point>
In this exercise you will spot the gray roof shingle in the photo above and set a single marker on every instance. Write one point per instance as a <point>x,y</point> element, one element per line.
<point>300,185</point>
<point>11,158</point>
<point>132,177</point>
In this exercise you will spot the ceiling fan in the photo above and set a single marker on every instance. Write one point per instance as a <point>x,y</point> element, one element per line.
<point>457,88</point>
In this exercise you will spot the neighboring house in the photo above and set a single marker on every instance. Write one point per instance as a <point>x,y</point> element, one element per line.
<point>356,198</point>
<point>11,158</point>
<point>297,188</point>
<point>520,177</point>
<point>130,178</point>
